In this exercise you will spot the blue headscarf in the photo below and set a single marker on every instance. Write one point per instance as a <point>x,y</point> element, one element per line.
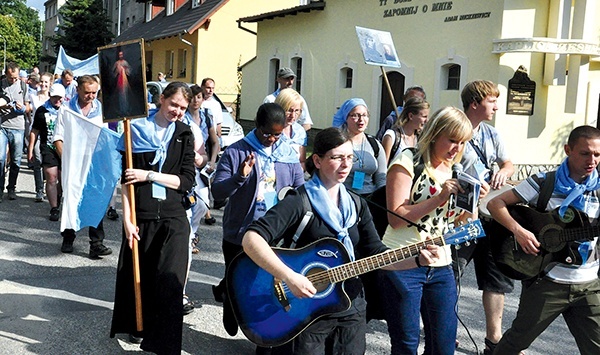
<point>339,219</point>
<point>342,114</point>
<point>144,138</point>
<point>574,191</point>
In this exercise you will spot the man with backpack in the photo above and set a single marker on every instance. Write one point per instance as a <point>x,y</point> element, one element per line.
<point>567,286</point>
<point>12,127</point>
<point>479,99</point>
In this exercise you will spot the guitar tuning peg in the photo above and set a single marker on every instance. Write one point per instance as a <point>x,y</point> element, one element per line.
<point>457,246</point>
<point>451,226</point>
<point>467,243</point>
<point>469,220</point>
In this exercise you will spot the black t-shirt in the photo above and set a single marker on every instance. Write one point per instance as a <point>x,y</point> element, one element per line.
<point>44,122</point>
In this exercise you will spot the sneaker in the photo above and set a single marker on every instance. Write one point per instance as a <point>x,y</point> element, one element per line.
<point>98,250</point>
<point>67,244</point>
<point>12,195</point>
<point>135,340</point>
<point>54,214</point>
<point>112,214</point>
<point>39,196</point>
<point>210,221</point>
<point>188,306</point>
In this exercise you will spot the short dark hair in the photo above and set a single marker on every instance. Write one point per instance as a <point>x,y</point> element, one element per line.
<point>418,88</point>
<point>587,132</point>
<point>67,72</point>
<point>205,80</point>
<point>12,66</point>
<point>195,89</point>
<point>269,114</point>
<point>326,140</point>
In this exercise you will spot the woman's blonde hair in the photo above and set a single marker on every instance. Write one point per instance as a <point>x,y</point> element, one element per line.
<point>288,98</point>
<point>449,121</point>
<point>413,105</point>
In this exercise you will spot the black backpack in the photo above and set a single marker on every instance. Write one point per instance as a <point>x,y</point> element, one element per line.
<point>377,200</point>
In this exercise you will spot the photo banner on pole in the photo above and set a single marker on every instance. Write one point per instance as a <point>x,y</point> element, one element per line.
<point>377,47</point>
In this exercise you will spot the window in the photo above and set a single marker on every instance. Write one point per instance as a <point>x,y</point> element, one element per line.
<point>182,55</point>
<point>275,64</point>
<point>169,63</point>
<point>170,7</point>
<point>297,68</point>
<point>453,82</point>
<point>148,11</point>
<point>347,74</point>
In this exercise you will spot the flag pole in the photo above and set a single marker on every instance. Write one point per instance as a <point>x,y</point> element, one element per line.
<point>387,84</point>
<point>133,219</point>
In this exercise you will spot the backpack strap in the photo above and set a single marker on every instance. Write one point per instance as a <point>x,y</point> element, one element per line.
<point>24,90</point>
<point>546,189</point>
<point>308,214</point>
<point>373,142</point>
<point>398,138</point>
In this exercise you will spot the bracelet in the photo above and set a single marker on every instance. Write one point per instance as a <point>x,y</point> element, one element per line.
<point>417,261</point>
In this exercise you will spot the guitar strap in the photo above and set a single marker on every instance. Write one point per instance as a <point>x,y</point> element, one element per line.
<point>308,214</point>
<point>546,189</point>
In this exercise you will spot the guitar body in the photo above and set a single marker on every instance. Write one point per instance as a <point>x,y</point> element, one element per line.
<point>548,227</point>
<point>257,303</point>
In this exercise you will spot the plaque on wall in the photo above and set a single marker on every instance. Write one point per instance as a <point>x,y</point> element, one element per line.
<point>521,94</point>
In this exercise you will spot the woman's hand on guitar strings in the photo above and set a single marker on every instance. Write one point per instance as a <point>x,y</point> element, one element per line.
<point>429,255</point>
<point>300,286</point>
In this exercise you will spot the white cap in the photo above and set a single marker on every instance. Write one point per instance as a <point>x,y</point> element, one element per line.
<point>57,90</point>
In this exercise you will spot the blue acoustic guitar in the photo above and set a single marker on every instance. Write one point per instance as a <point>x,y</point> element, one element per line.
<point>270,315</point>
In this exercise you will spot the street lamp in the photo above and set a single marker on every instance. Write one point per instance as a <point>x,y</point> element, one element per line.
<point>4,65</point>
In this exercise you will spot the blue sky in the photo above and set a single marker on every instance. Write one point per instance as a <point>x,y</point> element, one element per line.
<point>38,4</point>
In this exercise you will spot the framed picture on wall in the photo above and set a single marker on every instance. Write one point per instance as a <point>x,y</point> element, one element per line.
<point>123,80</point>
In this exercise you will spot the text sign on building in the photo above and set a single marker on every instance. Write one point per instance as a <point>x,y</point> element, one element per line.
<point>521,94</point>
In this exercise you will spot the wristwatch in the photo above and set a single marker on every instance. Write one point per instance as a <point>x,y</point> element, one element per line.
<point>151,176</point>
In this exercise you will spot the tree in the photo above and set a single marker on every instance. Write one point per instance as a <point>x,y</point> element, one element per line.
<point>85,27</point>
<point>20,26</point>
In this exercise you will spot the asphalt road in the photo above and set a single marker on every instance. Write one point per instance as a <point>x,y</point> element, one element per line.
<point>54,303</point>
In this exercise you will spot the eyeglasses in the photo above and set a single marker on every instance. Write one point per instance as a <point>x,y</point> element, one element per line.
<point>269,135</point>
<point>296,112</point>
<point>341,158</point>
<point>357,116</point>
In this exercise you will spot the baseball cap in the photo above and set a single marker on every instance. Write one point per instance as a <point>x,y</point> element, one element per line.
<point>57,90</point>
<point>285,73</point>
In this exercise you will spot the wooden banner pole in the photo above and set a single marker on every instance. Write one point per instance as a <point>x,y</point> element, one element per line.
<point>134,250</point>
<point>387,84</point>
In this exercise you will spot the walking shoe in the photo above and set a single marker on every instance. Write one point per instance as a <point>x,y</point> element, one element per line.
<point>210,221</point>
<point>54,214</point>
<point>12,195</point>
<point>112,214</point>
<point>98,250</point>
<point>188,306</point>
<point>39,196</point>
<point>135,340</point>
<point>67,244</point>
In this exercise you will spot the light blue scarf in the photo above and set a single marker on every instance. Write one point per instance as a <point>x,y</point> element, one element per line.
<point>282,152</point>
<point>144,138</point>
<point>342,114</point>
<point>51,109</point>
<point>574,191</point>
<point>339,219</point>
<point>95,111</point>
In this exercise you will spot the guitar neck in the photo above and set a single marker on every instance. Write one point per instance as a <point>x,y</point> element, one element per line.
<point>583,233</point>
<point>375,262</point>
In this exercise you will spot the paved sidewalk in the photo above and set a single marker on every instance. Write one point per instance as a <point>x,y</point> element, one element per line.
<point>54,303</point>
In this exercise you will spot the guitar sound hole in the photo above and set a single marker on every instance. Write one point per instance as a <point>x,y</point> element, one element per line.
<point>551,239</point>
<point>320,284</point>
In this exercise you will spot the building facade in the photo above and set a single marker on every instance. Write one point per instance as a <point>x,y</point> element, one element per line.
<point>544,55</point>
